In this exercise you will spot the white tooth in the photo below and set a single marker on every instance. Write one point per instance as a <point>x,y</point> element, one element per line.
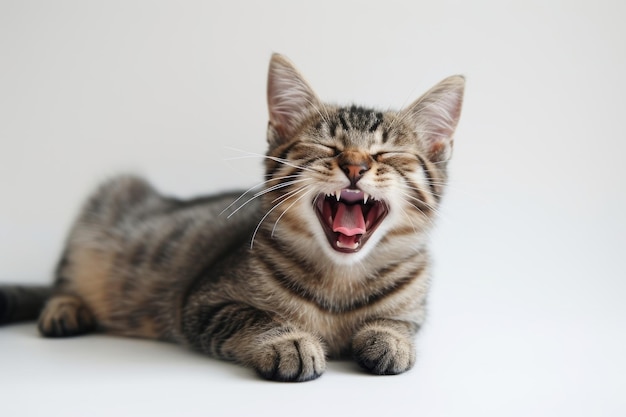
<point>365,198</point>
<point>338,194</point>
<point>342,246</point>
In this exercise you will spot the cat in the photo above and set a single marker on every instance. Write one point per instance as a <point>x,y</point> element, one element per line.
<point>329,258</point>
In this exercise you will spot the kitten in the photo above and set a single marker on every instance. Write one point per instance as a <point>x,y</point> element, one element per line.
<point>329,259</point>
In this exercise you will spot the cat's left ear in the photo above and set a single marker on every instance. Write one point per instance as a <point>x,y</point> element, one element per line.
<point>435,115</point>
<point>289,98</point>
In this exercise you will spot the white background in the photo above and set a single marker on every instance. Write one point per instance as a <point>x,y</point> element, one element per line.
<point>527,313</point>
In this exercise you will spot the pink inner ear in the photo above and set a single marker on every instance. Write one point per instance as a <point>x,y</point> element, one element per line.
<point>437,147</point>
<point>436,114</point>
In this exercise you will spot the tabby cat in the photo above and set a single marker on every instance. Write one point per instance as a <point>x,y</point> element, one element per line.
<point>327,258</point>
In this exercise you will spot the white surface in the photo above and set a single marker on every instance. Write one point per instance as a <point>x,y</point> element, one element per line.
<point>527,310</point>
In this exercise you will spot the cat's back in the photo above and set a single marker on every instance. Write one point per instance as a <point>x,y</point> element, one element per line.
<point>132,252</point>
<point>127,208</point>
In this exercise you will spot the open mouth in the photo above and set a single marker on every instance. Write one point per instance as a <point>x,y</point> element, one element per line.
<point>349,217</point>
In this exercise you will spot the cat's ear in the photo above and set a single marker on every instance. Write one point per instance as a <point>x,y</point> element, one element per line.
<point>435,115</point>
<point>289,100</point>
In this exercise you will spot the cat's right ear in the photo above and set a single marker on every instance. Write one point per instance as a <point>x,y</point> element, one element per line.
<point>289,100</point>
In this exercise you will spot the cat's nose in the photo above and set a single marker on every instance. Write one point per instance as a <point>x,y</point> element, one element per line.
<point>354,172</point>
<point>354,167</point>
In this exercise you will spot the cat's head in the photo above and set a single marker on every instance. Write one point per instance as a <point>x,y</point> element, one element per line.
<point>347,182</point>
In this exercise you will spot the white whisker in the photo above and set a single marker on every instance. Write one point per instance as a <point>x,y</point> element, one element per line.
<point>254,187</point>
<point>265,217</point>
<point>273,158</point>
<point>290,206</point>
<point>435,210</point>
<point>267,190</point>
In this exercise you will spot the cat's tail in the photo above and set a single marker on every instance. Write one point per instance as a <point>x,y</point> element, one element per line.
<point>19,302</point>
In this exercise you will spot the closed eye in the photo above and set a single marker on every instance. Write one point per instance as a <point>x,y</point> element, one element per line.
<point>382,156</point>
<point>323,150</point>
<point>332,148</point>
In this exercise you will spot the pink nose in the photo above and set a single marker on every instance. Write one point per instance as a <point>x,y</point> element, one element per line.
<point>354,172</point>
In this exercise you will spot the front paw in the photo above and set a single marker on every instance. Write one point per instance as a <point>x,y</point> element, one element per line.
<point>290,356</point>
<point>383,350</point>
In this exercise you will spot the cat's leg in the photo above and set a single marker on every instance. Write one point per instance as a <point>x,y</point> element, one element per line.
<point>65,315</point>
<point>384,346</point>
<point>243,334</point>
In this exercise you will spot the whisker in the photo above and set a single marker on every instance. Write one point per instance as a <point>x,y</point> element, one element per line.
<point>262,156</point>
<point>435,194</point>
<point>428,219</point>
<point>429,206</point>
<point>415,229</point>
<point>257,186</point>
<point>265,191</point>
<point>447,184</point>
<point>265,217</point>
<point>290,206</point>
<point>289,193</point>
<point>435,210</point>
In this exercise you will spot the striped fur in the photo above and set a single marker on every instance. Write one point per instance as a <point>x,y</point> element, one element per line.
<point>258,278</point>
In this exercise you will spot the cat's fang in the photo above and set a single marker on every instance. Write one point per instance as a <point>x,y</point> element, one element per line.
<point>338,194</point>
<point>365,198</point>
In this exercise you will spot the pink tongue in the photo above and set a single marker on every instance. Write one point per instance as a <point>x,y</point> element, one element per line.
<point>349,220</point>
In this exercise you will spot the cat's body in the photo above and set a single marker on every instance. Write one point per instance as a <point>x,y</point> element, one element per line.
<point>329,259</point>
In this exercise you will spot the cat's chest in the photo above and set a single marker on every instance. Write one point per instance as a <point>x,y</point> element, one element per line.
<point>336,305</point>
<point>335,329</point>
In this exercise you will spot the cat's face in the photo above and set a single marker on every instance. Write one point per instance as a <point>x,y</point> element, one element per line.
<point>346,181</point>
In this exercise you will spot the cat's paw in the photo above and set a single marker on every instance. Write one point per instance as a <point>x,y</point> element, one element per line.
<point>64,316</point>
<point>383,350</point>
<point>291,356</point>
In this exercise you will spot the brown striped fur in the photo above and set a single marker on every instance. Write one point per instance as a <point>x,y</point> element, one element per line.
<point>256,279</point>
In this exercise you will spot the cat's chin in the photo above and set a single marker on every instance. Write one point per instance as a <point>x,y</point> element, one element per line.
<point>349,217</point>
